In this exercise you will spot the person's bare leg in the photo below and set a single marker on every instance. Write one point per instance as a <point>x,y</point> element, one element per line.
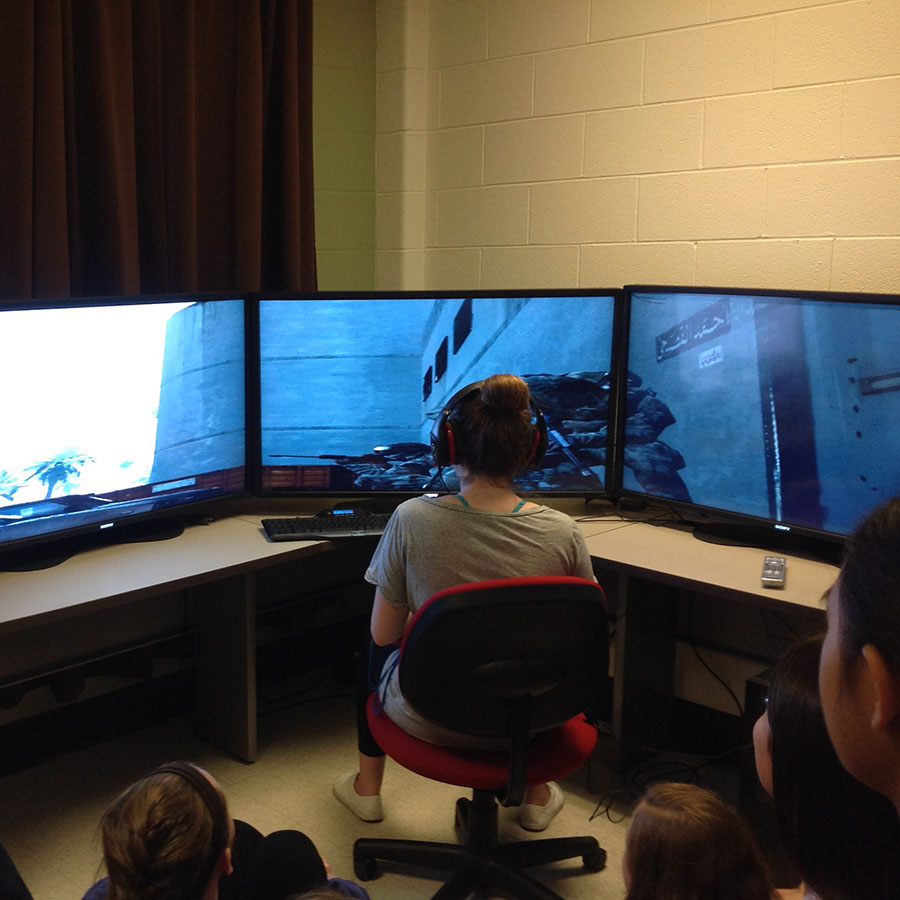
<point>371,774</point>
<point>537,794</point>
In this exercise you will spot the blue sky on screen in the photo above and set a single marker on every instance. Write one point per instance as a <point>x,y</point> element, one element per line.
<point>86,380</point>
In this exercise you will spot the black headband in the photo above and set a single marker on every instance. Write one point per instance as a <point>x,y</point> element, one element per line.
<point>214,803</point>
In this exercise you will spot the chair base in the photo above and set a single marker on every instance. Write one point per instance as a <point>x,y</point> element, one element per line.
<point>480,861</point>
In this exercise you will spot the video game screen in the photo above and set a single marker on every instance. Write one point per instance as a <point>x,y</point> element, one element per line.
<point>118,409</point>
<point>779,406</point>
<point>351,385</point>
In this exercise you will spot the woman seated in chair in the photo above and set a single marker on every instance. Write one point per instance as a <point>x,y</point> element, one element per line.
<point>489,432</point>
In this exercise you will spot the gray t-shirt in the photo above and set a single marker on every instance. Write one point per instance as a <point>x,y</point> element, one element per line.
<point>431,544</point>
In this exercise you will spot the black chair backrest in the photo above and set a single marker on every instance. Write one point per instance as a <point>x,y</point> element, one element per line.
<point>475,655</point>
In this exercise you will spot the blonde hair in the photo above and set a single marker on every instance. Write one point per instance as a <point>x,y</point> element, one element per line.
<point>163,836</point>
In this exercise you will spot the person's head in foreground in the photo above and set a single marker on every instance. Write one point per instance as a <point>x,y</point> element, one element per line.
<point>859,673</point>
<point>168,836</point>
<point>842,837</point>
<point>685,843</point>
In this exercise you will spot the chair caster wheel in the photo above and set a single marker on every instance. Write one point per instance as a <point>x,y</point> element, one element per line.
<point>365,867</point>
<point>595,861</point>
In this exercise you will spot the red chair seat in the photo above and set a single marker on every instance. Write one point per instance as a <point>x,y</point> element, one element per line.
<point>552,754</point>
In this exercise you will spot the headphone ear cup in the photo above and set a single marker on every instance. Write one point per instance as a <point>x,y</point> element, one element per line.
<point>539,447</point>
<point>443,442</point>
<point>450,443</point>
<point>443,438</point>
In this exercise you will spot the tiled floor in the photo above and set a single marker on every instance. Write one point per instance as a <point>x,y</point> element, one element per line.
<point>49,814</point>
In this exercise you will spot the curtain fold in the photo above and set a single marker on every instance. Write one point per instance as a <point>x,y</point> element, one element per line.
<point>155,146</point>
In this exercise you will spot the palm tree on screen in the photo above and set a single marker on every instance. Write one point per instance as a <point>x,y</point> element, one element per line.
<point>9,484</point>
<point>60,469</point>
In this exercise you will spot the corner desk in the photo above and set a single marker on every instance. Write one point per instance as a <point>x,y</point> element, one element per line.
<point>219,564</point>
<point>644,559</point>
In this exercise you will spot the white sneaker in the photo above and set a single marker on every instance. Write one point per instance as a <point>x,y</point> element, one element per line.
<point>368,809</point>
<point>533,817</point>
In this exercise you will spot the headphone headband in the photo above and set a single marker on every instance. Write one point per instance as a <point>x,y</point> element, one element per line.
<point>214,803</point>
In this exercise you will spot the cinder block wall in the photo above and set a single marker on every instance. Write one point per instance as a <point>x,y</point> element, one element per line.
<point>524,143</point>
<point>344,142</point>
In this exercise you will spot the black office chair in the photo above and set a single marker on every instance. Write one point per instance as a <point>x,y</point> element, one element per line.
<point>514,658</point>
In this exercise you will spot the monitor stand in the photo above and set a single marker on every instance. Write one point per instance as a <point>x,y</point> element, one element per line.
<point>155,530</point>
<point>45,556</point>
<point>765,537</point>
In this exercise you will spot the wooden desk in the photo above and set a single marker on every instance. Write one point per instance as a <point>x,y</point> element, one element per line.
<point>218,564</point>
<point>115,574</point>
<point>676,557</point>
<point>644,558</point>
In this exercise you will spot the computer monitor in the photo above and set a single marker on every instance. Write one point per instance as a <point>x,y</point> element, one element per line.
<point>117,413</point>
<point>767,417</point>
<point>350,385</point>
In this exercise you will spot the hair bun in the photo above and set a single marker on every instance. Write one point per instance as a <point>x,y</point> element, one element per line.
<point>505,394</point>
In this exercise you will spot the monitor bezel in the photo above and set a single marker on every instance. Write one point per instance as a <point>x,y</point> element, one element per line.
<point>49,548</point>
<point>715,524</point>
<point>389,499</point>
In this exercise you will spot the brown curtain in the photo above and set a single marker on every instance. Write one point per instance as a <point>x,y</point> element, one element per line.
<point>154,146</point>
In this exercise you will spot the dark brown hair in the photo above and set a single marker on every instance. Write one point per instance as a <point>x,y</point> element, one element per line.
<point>686,843</point>
<point>843,838</point>
<point>495,436</point>
<point>869,587</point>
<point>162,837</point>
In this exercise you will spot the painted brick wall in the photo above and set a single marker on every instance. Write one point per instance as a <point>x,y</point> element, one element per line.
<point>524,143</point>
<point>344,142</point>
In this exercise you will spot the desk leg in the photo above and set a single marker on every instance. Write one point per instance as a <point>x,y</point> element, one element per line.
<point>225,665</point>
<point>621,612</point>
<point>644,668</point>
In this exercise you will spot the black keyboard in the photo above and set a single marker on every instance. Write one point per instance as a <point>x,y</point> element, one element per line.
<point>326,527</point>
